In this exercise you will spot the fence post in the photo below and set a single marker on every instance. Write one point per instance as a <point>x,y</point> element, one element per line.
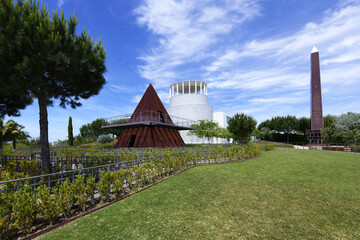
<point>118,162</point>
<point>34,187</point>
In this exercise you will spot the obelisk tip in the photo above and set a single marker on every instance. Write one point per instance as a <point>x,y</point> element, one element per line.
<point>314,50</point>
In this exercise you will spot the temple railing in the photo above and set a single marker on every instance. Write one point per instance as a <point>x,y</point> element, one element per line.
<point>147,116</point>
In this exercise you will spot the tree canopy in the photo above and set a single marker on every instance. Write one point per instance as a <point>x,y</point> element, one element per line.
<point>205,129</point>
<point>47,61</point>
<point>241,125</point>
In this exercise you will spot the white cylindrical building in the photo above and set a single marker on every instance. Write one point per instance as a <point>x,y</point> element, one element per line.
<point>188,99</point>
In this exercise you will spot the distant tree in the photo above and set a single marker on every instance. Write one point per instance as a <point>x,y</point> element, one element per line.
<point>205,129</point>
<point>264,124</point>
<point>90,132</point>
<point>329,121</point>
<point>70,133</point>
<point>224,133</point>
<point>257,133</point>
<point>241,126</point>
<point>104,138</point>
<point>288,124</point>
<point>352,135</point>
<point>330,134</point>
<point>50,60</point>
<point>304,124</point>
<point>344,121</point>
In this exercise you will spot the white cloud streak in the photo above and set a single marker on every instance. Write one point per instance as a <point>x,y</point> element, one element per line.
<point>196,41</point>
<point>185,31</point>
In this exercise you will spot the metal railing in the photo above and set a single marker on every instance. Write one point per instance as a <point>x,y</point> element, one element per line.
<point>201,157</point>
<point>51,179</point>
<point>148,116</point>
<point>65,163</point>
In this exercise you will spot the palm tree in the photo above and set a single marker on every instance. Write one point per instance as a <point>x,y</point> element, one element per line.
<point>11,131</point>
<point>3,134</point>
<point>15,132</point>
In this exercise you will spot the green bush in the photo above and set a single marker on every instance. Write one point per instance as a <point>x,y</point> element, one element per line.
<point>65,194</point>
<point>79,190</point>
<point>24,208</point>
<point>105,138</point>
<point>104,184</point>
<point>5,218</point>
<point>118,181</point>
<point>129,177</point>
<point>90,188</point>
<point>269,147</point>
<point>49,204</point>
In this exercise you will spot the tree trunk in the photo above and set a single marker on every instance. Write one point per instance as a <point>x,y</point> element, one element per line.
<point>288,137</point>
<point>44,140</point>
<point>14,144</point>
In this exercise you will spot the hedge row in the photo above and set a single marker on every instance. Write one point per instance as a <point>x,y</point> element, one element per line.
<point>19,210</point>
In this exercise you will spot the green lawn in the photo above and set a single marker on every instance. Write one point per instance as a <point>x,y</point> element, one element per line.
<point>284,194</point>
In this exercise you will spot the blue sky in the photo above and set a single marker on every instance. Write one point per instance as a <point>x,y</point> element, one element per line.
<point>254,55</point>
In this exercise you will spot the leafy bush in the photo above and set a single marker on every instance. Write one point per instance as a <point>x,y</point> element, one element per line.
<point>79,190</point>
<point>90,188</point>
<point>104,185</point>
<point>24,208</point>
<point>5,218</point>
<point>105,138</point>
<point>118,181</point>
<point>129,177</point>
<point>49,204</point>
<point>65,194</point>
<point>269,147</point>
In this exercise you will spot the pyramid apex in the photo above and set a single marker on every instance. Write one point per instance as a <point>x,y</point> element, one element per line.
<point>314,50</point>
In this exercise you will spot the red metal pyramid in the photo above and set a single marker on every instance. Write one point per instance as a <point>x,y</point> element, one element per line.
<point>150,125</point>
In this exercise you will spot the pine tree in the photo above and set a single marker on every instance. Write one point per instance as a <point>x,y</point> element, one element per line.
<point>47,61</point>
<point>70,133</point>
<point>241,125</point>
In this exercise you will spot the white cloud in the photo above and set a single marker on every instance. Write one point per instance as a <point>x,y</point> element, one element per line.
<point>186,31</point>
<point>60,3</point>
<point>117,88</point>
<point>196,40</point>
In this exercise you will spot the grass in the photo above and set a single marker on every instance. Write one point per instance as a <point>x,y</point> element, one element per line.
<point>284,194</point>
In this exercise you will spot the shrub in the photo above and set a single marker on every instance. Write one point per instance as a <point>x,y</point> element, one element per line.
<point>105,138</point>
<point>49,204</point>
<point>24,208</point>
<point>104,184</point>
<point>90,188</point>
<point>118,181</point>
<point>65,194</point>
<point>269,147</point>
<point>129,177</point>
<point>80,192</point>
<point>5,218</point>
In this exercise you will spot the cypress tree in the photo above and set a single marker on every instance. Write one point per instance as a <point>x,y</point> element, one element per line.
<point>70,133</point>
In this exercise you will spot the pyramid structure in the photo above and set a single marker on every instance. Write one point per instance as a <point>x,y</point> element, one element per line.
<point>150,125</point>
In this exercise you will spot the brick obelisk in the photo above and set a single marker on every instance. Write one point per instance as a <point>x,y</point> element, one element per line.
<point>316,103</point>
